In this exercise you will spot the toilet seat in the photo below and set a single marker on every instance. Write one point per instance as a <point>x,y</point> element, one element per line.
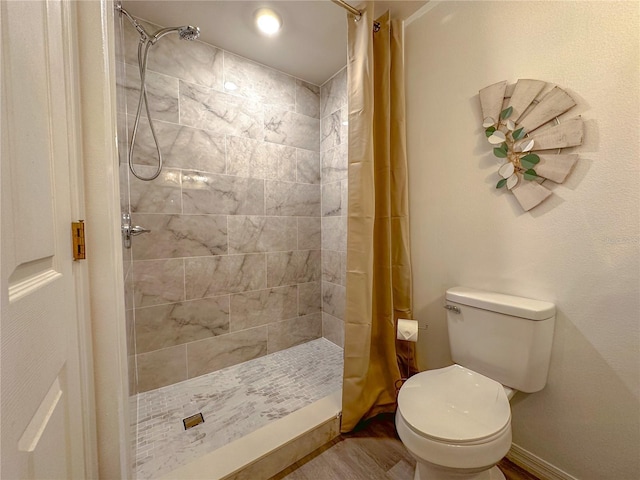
<point>454,405</point>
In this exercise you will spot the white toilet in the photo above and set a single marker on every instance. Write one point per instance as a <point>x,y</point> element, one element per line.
<point>456,421</point>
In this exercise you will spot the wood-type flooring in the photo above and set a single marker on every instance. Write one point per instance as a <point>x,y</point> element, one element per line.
<point>372,452</point>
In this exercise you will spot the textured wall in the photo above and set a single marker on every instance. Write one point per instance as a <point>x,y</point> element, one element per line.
<point>232,268</point>
<point>578,249</point>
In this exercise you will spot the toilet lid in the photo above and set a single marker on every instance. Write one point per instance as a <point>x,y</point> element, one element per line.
<point>454,404</point>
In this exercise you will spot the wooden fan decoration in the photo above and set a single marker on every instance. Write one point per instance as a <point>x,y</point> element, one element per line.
<point>513,118</point>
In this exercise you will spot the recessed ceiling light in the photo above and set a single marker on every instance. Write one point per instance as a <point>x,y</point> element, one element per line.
<point>230,86</point>
<point>268,21</point>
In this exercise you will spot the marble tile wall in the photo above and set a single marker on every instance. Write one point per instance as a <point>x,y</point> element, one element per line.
<point>333,161</point>
<point>232,268</point>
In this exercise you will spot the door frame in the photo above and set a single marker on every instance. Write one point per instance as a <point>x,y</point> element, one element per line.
<point>98,176</point>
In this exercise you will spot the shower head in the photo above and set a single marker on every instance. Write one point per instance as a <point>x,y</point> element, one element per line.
<point>186,32</point>
<point>189,32</point>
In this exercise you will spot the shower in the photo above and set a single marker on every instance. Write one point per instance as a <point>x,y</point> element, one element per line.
<point>225,294</point>
<point>186,32</point>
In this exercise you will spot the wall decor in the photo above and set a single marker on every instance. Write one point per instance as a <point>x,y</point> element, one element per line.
<point>521,123</point>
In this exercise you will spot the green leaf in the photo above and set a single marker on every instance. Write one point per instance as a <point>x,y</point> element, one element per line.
<point>530,174</point>
<point>531,157</point>
<point>518,134</point>
<point>489,131</point>
<point>501,183</point>
<point>506,113</point>
<point>529,161</point>
<point>500,152</point>
<point>526,164</point>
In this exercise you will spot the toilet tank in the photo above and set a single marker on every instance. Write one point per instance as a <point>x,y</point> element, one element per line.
<point>503,337</point>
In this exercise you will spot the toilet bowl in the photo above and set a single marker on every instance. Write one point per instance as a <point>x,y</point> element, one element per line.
<point>455,422</point>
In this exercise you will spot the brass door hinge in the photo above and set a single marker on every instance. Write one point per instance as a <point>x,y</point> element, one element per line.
<point>77,232</point>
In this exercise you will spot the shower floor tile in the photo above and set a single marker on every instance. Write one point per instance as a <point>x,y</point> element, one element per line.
<point>234,402</point>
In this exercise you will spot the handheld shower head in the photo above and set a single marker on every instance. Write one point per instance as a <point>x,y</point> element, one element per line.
<point>188,32</point>
<point>147,41</point>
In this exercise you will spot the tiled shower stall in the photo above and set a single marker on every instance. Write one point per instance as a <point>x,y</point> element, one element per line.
<point>246,254</point>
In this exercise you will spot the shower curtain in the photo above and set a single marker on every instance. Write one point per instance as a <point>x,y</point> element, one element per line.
<point>378,254</point>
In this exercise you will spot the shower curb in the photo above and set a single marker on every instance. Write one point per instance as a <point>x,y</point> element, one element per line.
<point>270,449</point>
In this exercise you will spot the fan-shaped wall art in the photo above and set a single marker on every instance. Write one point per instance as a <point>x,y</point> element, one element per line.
<point>522,125</point>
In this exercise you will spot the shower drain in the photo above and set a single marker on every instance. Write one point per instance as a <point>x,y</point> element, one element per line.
<point>193,421</point>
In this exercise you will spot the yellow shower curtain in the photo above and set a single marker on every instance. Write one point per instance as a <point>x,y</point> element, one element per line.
<point>378,254</point>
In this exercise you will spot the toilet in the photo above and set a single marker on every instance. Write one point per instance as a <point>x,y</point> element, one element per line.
<point>456,421</point>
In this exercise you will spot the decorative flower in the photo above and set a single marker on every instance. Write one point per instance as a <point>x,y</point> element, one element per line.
<point>517,159</point>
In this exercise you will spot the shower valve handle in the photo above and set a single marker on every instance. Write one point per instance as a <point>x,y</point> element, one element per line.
<point>129,231</point>
<point>137,230</point>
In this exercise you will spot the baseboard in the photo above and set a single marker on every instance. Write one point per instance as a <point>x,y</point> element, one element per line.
<point>535,465</point>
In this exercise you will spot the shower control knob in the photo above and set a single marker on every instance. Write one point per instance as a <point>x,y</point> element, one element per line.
<point>137,230</point>
<point>129,231</point>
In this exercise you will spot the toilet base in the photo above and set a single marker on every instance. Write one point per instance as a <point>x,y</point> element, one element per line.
<point>432,472</point>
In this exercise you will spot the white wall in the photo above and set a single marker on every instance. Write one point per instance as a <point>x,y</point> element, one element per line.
<point>578,249</point>
<point>104,250</point>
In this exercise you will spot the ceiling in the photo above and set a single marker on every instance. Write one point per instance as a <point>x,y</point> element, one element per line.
<point>312,44</point>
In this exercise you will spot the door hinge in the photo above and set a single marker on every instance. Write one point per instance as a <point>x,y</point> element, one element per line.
<point>77,232</point>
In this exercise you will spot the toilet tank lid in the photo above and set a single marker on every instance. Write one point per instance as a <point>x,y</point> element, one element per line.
<point>501,303</point>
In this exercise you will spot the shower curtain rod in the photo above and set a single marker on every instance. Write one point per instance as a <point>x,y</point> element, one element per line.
<point>356,12</point>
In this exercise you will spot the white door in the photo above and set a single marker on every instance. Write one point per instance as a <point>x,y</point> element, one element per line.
<point>40,403</point>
